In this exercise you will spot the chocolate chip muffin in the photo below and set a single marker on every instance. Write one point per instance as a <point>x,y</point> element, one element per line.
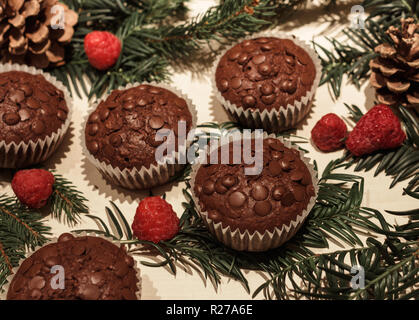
<point>93,269</point>
<point>267,73</point>
<point>32,109</point>
<point>276,198</point>
<point>120,134</point>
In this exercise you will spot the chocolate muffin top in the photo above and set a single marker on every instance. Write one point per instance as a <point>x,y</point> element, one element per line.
<point>31,107</point>
<point>261,202</point>
<point>122,130</point>
<point>265,73</point>
<point>94,269</point>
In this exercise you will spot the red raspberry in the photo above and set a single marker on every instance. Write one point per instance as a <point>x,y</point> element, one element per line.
<point>155,220</point>
<point>329,133</point>
<point>33,187</point>
<point>378,129</point>
<point>102,49</point>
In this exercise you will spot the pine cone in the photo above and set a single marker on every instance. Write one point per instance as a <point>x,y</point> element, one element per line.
<point>395,73</point>
<point>26,34</point>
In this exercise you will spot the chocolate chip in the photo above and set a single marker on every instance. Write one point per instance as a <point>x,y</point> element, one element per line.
<point>233,55</point>
<point>290,60</point>
<point>264,69</point>
<point>94,117</point>
<point>263,208</point>
<point>306,179</point>
<point>296,175</point>
<point>37,282</point>
<point>16,96</point>
<point>208,187</point>
<point>97,278</point>
<point>41,95</point>
<point>93,147</point>
<point>26,264</point>
<point>267,89</point>
<point>129,105</point>
<point>38,127</point>
<point>278,192</point>
<point>287,199</point>
<point>128,97</point>
<point>154,90</point>
<point>236,199</point>
<point>35,294</point>
<point>121,269</point>
<point>285,165</point>
<point>65,237</point>
<point>33,103</point>
<point>276,154</point>
<point>156,122</point>
<point>229,181</point>
<point>310,190</point>
<point>219,187</point>
<point>104,114</point>
<point>52,261</point>
<point>259,192</point>
<point>78,248</point>
<point>61,115</point>
<point>260,58</point>
<point>266,47</point>
<point>242,58</point>
<point>162,101</point>
<point>109,151</point>
<point>236,83</point>
<point>299,193</point>
<point>128,294</point>
<point>249,101</point>
<point>11,118</point>
<point>89,292</point>
<point>224,85</point>
<point>93,129</point>
<point>275,167</point>
<point>268,99</point>
<point>115,140</point>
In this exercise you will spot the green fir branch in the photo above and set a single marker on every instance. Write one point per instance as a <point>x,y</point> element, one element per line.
<point>66,201</point>
<point>20,229</point>
<point>150,44</point>
<point>336,216</point>
<point>351,57</point>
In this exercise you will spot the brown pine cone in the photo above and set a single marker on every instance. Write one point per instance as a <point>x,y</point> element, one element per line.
<point>27,34</point>
<point>395,72</point>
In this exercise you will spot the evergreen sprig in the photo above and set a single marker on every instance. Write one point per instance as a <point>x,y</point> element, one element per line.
<point>351,57</point>
<point>150,45</point>
<point>67,201</point>
<point>20,229</point>
<point>337,216</point>
<point>401,163</point>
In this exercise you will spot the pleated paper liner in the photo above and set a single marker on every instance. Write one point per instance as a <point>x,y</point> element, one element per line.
<point>139,178</point>
<point>23,154</point>
<point>257,241</point>
<point>3,295</point>
<point>279,118</point>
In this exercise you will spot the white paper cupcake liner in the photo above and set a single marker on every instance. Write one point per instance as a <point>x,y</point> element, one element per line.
<point>275,120</point>
<point>139,178</point>
<point>3,295</point>
<point>23,154</point>
<point>256,241</point>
